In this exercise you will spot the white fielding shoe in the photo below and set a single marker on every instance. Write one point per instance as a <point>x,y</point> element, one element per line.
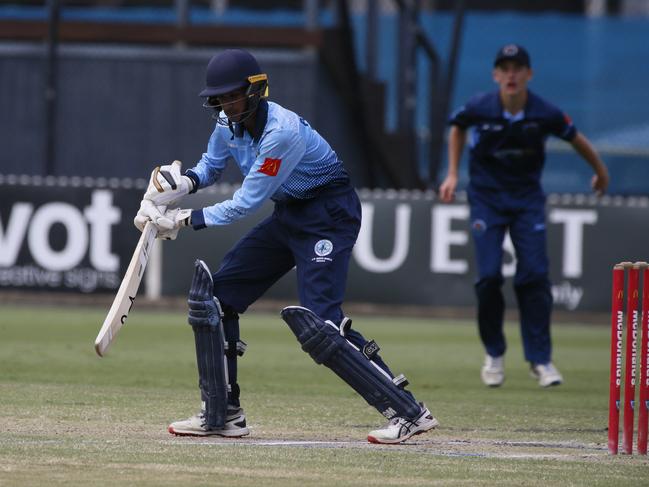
<point>493,371</point>
<point>235,425</point>
<point>398,429</point>
<point>547,374</point>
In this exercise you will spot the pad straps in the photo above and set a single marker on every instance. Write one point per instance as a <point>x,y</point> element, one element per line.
<point>235,348</point>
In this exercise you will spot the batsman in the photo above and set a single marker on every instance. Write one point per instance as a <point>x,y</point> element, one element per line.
<point>313,228</point>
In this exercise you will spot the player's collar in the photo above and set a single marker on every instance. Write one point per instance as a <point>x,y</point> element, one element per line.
<point>262,118</point>
<point>513,117</point>
<point>501,111</point>
<point>260,122</point>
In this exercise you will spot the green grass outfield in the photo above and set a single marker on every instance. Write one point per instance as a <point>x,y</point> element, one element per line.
<point>70,418</point>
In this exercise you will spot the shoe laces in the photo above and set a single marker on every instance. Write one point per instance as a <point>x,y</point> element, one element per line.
<point>201,416</point>
<point>393,421</point>
<point>405,421</point>
<point>493,362</point>
<point>545,368</point>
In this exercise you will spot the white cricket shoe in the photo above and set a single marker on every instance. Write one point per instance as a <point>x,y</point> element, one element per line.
<point>235,425</point>
<point>547,374</point>
<point>399,429</point>
<point>493,371</point>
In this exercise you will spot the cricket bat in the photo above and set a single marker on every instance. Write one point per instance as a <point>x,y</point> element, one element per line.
<point>123,302</point>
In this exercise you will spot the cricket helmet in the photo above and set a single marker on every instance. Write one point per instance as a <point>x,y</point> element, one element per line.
<point>231,70</point>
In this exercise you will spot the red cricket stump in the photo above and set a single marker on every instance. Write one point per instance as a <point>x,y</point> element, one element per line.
<point>643,409</point>
<point>630,359</point>
<point>617,323</point>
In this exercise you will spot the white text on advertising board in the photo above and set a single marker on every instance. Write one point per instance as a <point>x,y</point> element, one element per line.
<point>88,233</point>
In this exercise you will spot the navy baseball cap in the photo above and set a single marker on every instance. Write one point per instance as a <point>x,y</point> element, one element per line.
<point>513,52</point>
<point>229,71</point>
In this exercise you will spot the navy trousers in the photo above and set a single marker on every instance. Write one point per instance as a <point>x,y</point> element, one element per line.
<point>316,237</point>
<point>523,215</point>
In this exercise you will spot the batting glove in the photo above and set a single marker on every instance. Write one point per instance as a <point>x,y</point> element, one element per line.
<point>167,185</point>
<point>150,212</point>
<point>180,218</point>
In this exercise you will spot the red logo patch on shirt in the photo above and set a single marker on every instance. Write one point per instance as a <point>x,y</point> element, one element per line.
<point>270,166</point>
<point>567,119</point>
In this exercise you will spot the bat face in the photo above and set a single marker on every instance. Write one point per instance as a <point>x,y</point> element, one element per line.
<point>124,316</point>
<point>125,297</point>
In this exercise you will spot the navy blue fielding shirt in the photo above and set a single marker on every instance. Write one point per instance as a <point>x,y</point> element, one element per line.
<point>507,152</point>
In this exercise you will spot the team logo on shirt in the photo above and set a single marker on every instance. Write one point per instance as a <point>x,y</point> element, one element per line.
<point>478,226</point>
<point>567,119</point>
<point>322,249</point>
<point>270,167</point>
<point>492,127</point>
<point>531,127</point>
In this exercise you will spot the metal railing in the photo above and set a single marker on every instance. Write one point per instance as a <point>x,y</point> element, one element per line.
<point>412,40</point>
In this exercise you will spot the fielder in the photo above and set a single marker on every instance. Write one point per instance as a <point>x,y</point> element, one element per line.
<point>509,129</point>
<point>313,228</point>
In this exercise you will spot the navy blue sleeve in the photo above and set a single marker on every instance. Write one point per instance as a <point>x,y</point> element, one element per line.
<point>462,117</point>
<point>195,179</point>
<point>560,125</point>
<point>555,121</point>
<point>472,111</point>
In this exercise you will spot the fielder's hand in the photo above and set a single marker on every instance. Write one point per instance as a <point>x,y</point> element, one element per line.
<point>180,218</point>
<point>447,189</point>
<point>599,182</point>
<point>167,185</point>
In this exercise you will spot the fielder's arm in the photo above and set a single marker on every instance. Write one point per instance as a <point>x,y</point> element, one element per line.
<point>456,141</point>
<point>586,150</point>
